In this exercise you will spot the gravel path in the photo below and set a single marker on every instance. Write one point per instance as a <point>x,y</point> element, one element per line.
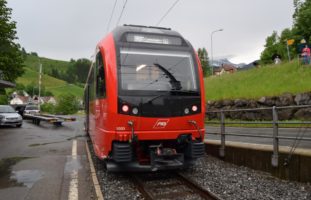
<point>230,181</point>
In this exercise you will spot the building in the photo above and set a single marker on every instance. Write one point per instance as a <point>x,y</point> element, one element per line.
<point>21,100</point>
<point>224,69</point>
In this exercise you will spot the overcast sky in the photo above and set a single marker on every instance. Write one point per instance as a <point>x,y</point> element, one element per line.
<point>64,29</point>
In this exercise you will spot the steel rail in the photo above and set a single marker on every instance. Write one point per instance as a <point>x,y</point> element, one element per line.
<point>198,189</point>
<point>141,188</point>
<point>194,188</point>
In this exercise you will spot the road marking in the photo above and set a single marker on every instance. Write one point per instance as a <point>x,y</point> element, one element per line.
<point>74,148</point>
<point>73,186</point>
<point>98,191</point>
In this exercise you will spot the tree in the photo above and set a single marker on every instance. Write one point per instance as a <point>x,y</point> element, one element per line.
<point>55,73</point>
<point>78,70</point>
<point>272,47</point>
<point>3,99</point>
<point>302,18</point>
<point>203,56</point>
<point>11,58</point>
<point>67,104</point>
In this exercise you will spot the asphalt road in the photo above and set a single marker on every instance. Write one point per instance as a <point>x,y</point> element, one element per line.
<point>213,133</point>
<point>44,162</point>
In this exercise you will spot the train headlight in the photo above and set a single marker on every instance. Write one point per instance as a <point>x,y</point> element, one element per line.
<point>125,108</point>
<point>135,111</point>
<point>194,108</point>
<point>186,111</point>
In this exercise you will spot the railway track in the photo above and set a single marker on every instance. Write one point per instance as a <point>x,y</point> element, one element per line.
<point>169,186</point>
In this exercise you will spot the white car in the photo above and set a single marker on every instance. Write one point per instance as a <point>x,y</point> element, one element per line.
<point>9,117</point>
<point>31,109</point>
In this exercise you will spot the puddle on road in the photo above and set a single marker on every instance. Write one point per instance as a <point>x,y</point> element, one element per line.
<point>6,165</point>
<point>27,177</point>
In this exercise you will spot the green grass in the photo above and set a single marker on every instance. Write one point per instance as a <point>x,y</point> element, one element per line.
<point>32,62</point>
<point>56,86</point>
<point>269,80</point>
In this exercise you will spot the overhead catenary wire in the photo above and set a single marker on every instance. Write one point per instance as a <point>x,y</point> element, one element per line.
<point>167,12</point>
<point>111,15</point>
<point>121,12</point>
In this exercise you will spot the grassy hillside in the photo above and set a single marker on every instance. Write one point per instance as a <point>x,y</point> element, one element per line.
<point>265,81</point>
<point>32,62</point>
<point>56,86</point>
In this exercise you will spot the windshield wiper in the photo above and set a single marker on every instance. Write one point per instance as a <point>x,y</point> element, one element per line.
<point>155,97</point>
<point>185,92</point>
<point>173,91</point>
<point>176,85</point>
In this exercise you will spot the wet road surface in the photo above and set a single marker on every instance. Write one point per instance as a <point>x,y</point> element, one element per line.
<point>44,162</point>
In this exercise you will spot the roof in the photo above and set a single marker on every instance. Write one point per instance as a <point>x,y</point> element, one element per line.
<point>228,67</point>
<point>6,84</point>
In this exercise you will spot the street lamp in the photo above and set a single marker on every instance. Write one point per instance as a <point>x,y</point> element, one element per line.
<point>212,48</point>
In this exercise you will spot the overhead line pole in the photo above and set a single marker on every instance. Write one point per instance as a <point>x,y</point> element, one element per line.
<point>40,71</point>
<point>212,48</point>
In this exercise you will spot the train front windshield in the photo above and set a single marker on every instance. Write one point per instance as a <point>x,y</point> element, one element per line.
<point>146,70</point>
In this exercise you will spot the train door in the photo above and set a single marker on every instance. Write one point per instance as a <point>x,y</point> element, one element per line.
<point>87,108</point>
<point>101,102</point>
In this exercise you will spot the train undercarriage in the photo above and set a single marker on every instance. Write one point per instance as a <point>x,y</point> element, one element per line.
<point>155,155</point>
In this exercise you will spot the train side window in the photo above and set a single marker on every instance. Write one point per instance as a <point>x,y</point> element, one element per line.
<point>100,77</point>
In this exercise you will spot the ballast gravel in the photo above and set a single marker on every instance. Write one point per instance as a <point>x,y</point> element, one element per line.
<point>227,181</point>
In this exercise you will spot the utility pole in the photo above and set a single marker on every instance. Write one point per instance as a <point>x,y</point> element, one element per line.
<point>212,48</point>
<point>40,71</point>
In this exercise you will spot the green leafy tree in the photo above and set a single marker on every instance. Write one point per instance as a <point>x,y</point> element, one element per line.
<point>203,56</point>
<point>67,104</point>
<point>302,18</point>
<point>3,99</point>
<point>55,73</point>
<point>11,57</point>
<point>276,45</point>
<point>78,70</point>
<point>272,47</point>
<point>48,108</point>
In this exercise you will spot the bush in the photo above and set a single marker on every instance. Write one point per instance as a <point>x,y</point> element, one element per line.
<point>48,107</point>
<point>67,104</point>
<point>3,99</point>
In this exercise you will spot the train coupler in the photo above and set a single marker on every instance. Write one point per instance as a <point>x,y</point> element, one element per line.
<point>165,158</point>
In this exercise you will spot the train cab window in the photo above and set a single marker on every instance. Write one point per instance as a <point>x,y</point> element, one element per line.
<point>160,70</point>
<point>100,77</point>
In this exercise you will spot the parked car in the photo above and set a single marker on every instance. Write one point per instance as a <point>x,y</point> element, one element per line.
<point>8,116</point>
<point>31,109</point>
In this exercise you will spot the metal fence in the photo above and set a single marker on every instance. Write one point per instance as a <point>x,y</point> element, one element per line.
<point>275,126</point>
